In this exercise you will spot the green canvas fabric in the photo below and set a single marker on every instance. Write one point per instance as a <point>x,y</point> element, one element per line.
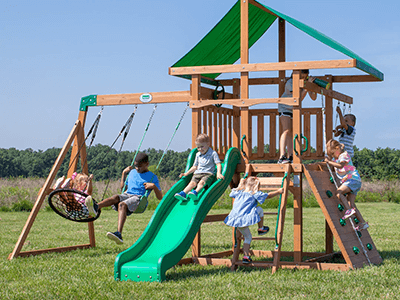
<point>221,46</point>
<point>361,63</point>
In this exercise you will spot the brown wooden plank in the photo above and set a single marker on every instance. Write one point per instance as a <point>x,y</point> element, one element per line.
<point>129,99</point>
<point>214,218</point>
<point>220,144</point>
<point>331,93</point>
<point>225,132</point>
<point>281,53</point>
<point>354,78</point>
<point>204,120</point>
<point>307,132</point>
<point>259,67</point>
<point>230,129</point>
<point>272,136</point>
<point>260,135</point>
<point>252,81</point>
<point>214,141</point>
<point>281,222</point>
<point>319,138</point>
<point>244,101</point>
<point>50,250</point>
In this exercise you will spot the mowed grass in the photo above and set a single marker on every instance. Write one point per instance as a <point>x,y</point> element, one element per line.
<point>89,274</point>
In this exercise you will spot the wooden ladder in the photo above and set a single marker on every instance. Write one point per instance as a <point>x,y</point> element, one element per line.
<point>267,184</point>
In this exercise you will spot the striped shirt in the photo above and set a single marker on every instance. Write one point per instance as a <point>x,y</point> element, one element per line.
<point>347,139</point>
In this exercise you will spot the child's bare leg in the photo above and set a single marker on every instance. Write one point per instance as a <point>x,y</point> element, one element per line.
<point>122,210</point>
<point>189,187</point>
<point>109,201</point>
<point>200,186</point>
<point>261,223</point>
<point>340,194</point>
<point>351,198</point>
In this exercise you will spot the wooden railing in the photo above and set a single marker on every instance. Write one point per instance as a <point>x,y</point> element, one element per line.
<point>217,123</point>
<point>270,116</point>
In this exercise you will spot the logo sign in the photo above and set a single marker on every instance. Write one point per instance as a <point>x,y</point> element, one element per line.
<point>145,98</point>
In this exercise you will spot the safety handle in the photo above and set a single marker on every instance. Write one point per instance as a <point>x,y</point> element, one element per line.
<point>294,144</point>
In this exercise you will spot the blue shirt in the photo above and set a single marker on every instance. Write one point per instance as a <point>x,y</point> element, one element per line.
<point>244,210</point>
<point>136,181</point>
<point>206,162</point>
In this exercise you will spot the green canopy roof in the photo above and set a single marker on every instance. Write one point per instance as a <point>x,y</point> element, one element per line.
<point>221,46</point>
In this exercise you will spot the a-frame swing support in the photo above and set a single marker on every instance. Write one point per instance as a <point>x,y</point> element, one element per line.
<point>227,127</point>
<point>76,136</point>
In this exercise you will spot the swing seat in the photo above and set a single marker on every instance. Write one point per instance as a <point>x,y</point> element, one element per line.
<point>144,201</point>
<point>65,203</point>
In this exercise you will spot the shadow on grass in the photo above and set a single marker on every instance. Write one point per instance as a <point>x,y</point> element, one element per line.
<point>390,254</point>
<point>186,272</point>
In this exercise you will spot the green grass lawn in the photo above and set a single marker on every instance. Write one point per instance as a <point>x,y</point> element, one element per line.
<point>88,274</point>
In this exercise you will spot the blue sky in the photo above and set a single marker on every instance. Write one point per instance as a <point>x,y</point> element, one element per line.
<point>52,53</point>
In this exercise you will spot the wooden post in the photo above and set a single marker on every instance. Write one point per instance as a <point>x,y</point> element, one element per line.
<point>298,192</point>
<point>196,115</point>
<point>282,53</point>
<point>328,130</point>
<point>78,141</point>
<point>244,76</point>
<point>196,129</point>
<point>236,115</point>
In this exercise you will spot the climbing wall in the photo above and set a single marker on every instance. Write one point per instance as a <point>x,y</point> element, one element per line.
<point>357,247</point>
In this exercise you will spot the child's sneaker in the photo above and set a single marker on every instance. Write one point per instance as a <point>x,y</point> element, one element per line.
<point>349,213</point>
<point>283,160</point>
<point>92,206</point>
<point>193,195</point>
<point>181,196</point>
<point>58,183</point>
<point>363,226</point>
<point>116,237</point>
<point>263,230</point>
<point>290,159</point>
<point>247,259</point>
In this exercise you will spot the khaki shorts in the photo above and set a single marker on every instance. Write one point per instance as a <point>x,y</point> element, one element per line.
<point>206,177</point>
<point>132,201</point>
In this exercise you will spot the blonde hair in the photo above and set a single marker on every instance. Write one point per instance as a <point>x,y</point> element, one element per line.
<point>331,146</point>
<point>250,184</point>
<point>202,138</point>
<point>79,180</point>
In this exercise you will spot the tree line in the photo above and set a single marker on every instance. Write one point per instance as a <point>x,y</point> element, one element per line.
<point>105,163</point>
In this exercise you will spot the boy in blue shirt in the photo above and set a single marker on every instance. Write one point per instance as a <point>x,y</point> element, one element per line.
<point>203,168</point>
<point>139,180</point>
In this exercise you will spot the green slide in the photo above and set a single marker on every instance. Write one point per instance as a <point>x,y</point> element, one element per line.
<point>172,227</point>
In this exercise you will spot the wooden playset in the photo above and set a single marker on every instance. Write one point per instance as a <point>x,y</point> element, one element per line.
<point>233,126</point>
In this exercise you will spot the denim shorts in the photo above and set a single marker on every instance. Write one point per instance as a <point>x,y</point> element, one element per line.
<point>354,185</point>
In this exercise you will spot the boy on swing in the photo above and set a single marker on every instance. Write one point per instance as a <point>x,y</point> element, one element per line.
<point>203,169</point>
<point>139,180</point>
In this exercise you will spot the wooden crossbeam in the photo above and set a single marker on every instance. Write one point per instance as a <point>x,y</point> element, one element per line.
<point>330,93</point>
<point>260,67</point>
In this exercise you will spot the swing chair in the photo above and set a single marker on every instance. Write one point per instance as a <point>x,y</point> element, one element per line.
<point>69,203</point>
